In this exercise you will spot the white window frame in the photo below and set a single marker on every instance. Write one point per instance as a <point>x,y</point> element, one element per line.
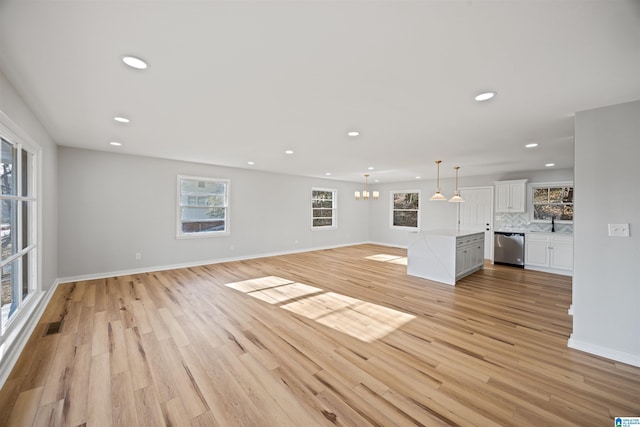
<point>13,135</point>
<point>392,193</point>
<point>334,209</point>
<point>530,205</point>
<point>227,220</point>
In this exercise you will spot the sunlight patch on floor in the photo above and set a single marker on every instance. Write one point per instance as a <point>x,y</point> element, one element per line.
<point>394,259</point>
<point>360,319</point>
<point>284,293</point>
<point>258,284</point>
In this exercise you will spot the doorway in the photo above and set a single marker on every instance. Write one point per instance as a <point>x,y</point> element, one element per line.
<point>476,214</point>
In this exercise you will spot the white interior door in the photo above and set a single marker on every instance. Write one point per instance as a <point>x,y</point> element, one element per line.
<point>476,213</point>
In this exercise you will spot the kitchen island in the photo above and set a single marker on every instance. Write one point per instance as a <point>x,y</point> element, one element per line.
<point>445,255</point>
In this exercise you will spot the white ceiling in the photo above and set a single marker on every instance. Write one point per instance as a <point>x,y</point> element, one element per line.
<point>238,81</point>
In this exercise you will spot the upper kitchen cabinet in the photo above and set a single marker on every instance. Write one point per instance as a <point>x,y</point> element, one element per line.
<point>511,196</point>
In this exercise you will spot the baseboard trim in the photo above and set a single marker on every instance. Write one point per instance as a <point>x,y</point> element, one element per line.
<point>609,353</point>
<point>151,269</point>
<point>17,339</point>
<point>549,270</point>
<point>389,245</point>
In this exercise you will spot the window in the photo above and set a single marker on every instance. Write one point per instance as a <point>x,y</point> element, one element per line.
<point>405,209</point>
<point>323,208</point>
<point>19,234</point>
<point>552,201</point>
<point>203,206</point>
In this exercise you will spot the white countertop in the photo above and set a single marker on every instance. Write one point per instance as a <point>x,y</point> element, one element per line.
<point>564,233</point>
<point>449,232</point>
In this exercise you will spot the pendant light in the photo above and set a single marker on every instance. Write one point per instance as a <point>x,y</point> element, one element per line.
<point>438,196</point>
<point>456,197</point>
<point>365,193</point>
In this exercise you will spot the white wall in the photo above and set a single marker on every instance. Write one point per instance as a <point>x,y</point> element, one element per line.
<point>437,215</point>
<point>606,281</point>
<point>114,205</point>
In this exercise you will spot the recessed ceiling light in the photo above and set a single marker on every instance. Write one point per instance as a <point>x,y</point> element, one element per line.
<point>371,168</point>
<point>115,143</point>
<point>353,133</point>
<point>484,96</point>
<point>251,163</point>
<point>134,62</point>
<point>121,119</point>
<point>549,165</point>
<point>532,145</point>
<point>328,174</point>
<point>376,180</point>
<point>418,177</point>
<point>288,152</point>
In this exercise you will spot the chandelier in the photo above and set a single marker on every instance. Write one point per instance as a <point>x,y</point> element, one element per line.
<point>365,193</point>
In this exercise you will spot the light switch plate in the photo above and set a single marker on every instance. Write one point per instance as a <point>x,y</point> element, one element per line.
<point>619,230</point>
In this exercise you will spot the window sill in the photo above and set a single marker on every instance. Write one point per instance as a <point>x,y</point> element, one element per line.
<point>396,227</point>
<point>202,235</point>
<point>333,227</point>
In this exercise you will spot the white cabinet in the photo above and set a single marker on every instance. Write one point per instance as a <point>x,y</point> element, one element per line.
<point>445,255</point>
<point>549,252</point>
<point>561,253</point>
<point>536,251</point>
<point>511,196</point>
<point>469,254</point>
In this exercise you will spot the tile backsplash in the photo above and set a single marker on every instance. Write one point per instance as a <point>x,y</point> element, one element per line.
<point>521,222</point>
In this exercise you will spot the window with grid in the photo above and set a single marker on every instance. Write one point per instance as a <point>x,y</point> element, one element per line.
<point>19,234</point>
<point>203,206</point>
<point>552,201</point>
<point>405,209</point>
<point>323,208</point>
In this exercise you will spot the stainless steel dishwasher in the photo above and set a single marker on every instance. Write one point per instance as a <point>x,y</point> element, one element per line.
<point>508,248</point>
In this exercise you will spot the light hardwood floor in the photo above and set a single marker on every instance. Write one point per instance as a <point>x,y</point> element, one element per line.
<point>334,337</point>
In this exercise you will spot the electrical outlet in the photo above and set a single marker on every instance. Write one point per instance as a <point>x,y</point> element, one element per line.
<point>619,230</point>
<point>138,256</point>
